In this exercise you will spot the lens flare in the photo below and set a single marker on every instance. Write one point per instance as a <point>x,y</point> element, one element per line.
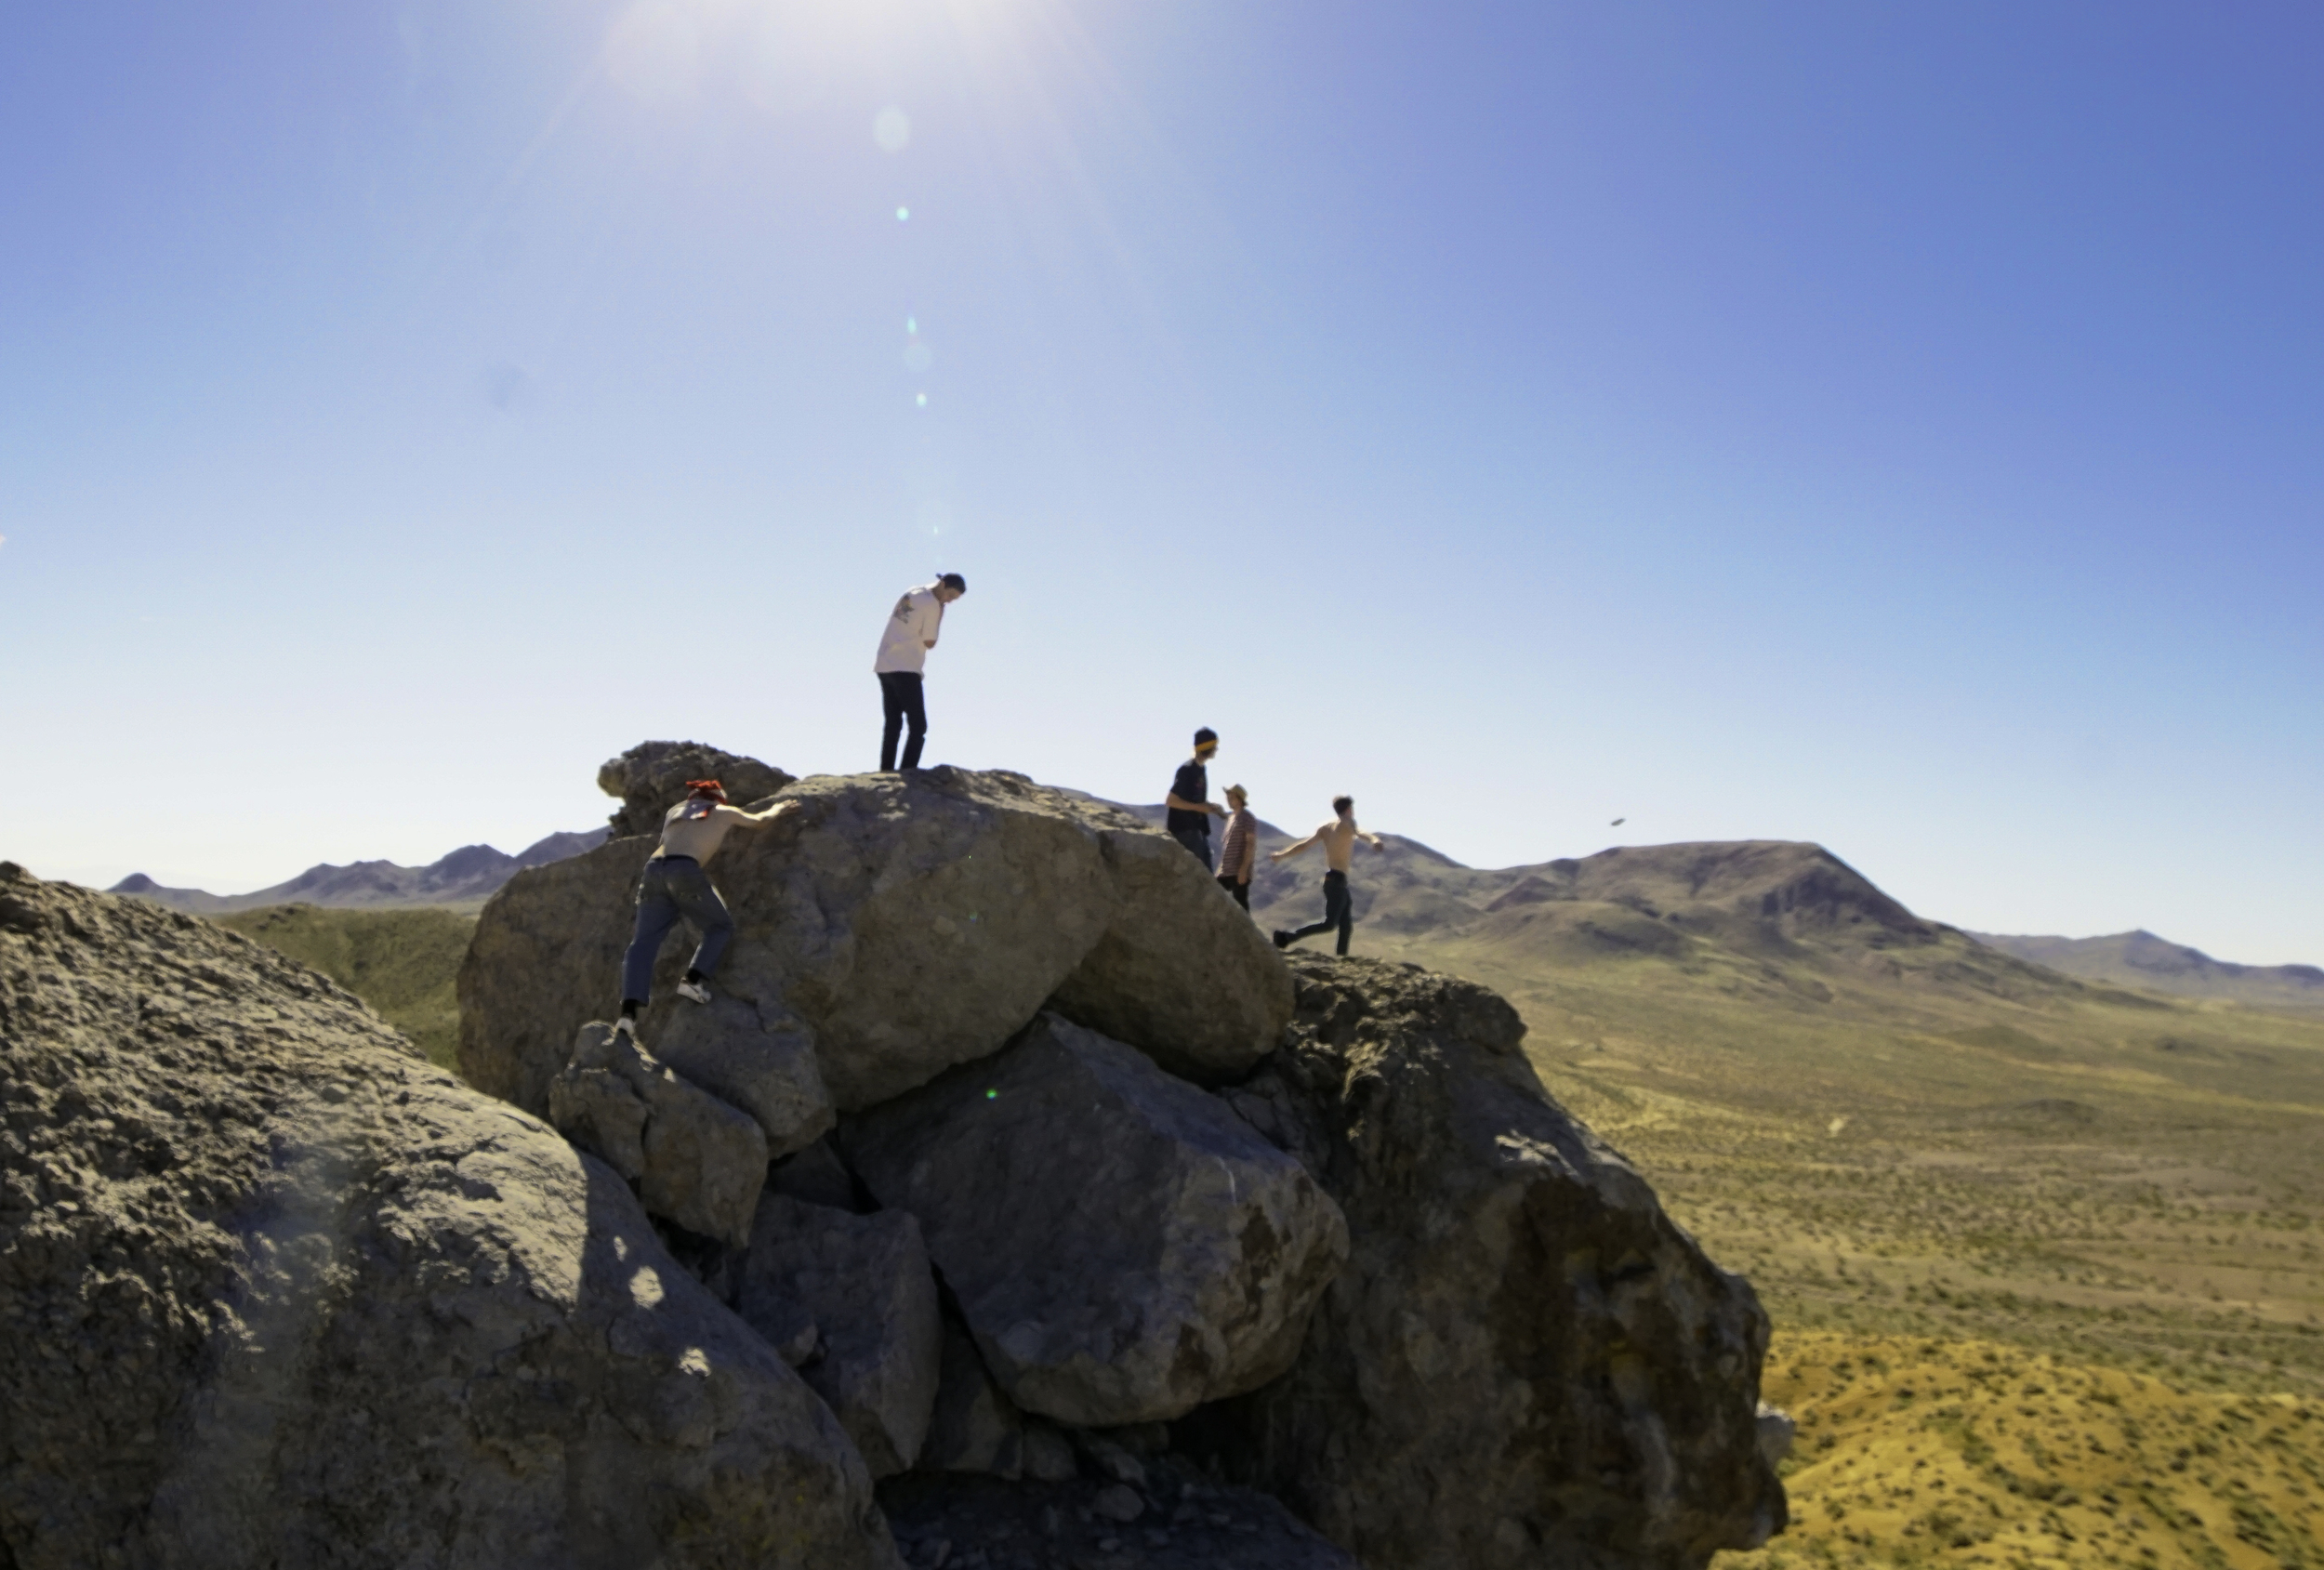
<point>903,214</point>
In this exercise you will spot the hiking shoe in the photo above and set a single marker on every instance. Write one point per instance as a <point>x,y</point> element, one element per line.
<point>1283,939</point>
<point>693,992</point>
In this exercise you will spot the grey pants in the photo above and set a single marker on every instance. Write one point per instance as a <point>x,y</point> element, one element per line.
<point>673,887</point>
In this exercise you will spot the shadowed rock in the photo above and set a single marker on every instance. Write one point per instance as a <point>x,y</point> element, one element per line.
<point>974,1427</point>
<point>696,1161</point>
<point>1175,1520</point>
<point>1525,1362</point>
<point>1122,1246</point>
<point>328,1307</point>
<point>863,1282</point>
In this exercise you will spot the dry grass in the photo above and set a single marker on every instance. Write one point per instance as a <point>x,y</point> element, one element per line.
<point>2047,1274</point>
<point>1921,1451</point>
<point>401,962</point>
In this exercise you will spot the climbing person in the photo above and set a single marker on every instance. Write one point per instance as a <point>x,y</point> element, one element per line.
<point>1189,806</point>
<point>1239,852</point>
<point>903,646</point>
<point>1337,839</point>
<point>675,885</point>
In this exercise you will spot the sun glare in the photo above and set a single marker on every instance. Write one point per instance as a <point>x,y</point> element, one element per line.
<point>782,54</point>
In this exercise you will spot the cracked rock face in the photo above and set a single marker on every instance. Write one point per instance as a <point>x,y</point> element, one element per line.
<point>910,922</point>
<point>864,1283</point>
<point>758,1057</point>
<point>278,1292</point>
<point>1123,1247</point>
<point>1526,1361</point>
<point>696,1160</point>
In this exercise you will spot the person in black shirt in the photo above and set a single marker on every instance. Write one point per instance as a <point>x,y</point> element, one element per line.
<point>1189,801</point>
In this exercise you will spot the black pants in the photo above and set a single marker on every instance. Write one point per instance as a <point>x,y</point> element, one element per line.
<point>901,699</point>
<point>1338,911</point>
<point>1241,892</point>
<point>1198,841</point>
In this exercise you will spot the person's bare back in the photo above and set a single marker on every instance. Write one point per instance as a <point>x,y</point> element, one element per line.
<point>1339,838</point>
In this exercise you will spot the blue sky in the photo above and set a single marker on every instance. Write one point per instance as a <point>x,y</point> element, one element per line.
<point>1901,428</point>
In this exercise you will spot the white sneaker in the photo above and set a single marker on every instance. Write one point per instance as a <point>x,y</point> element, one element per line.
<point>626,1026</point>
<point>693,992</point>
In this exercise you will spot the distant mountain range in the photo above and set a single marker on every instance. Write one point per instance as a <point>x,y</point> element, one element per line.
<point>466,878</point>
<point>1762,897</point>
<point>1745,896</point>
<point>2142,959</point>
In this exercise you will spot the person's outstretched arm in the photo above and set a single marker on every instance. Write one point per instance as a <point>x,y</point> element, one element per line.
<point>1293,850</point>
<point>740,819</point>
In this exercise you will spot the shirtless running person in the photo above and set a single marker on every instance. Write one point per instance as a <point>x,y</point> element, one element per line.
<point>1337,839</point>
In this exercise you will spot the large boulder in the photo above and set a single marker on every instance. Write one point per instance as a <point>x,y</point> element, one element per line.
<point>863,1282</point>
<point>275,1291</point>
<point>1122,1246</point>
<point>1526,1361</point>
<point>911,922</point>
<point>650,778</point>
<point>696,1160</point>
<point>1182,974</point>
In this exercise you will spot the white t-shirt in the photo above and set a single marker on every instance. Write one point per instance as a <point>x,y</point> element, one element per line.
<point>911,627</point>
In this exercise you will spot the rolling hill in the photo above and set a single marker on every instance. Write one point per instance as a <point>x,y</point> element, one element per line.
<point>2142,959</point>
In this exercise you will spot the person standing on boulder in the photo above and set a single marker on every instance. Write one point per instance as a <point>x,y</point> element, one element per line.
<point>1239,854</point>
<point>1337,839</point>
<point>1189,806</point>
<point>903,646</point>
<point>675,885</point>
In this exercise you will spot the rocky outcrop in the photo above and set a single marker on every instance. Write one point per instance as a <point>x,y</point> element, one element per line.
<point>1524,1362</point>
<point>696,1161</point>
<point>865,1284</point>
<point>911,922</point>
<point>1077,1233</point>
<point>1122,1246</point>
<point>277,1292</point>
<point>651,779</point>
